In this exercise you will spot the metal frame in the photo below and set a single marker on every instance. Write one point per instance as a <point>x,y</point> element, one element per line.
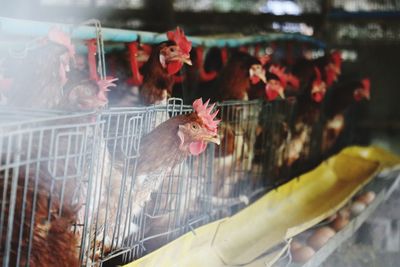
<point>47,157</point>
<point>96,155</point>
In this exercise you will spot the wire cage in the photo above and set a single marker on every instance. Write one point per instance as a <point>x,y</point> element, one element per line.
<point>288,144</point>
<point>235,181</point>
<point>46,164</point>
<point>273,141</point>
<point>82,170</point>
<point>124,223</point>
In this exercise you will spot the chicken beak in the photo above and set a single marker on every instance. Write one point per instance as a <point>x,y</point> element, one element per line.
<point>178,55</point>
<point>281,94</point>
<point>213,139</point>
<point>186,59</point>
<point>262,77</point>
<point>259,72</point>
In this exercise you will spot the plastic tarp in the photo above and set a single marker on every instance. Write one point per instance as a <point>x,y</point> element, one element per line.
<point>254,236</point>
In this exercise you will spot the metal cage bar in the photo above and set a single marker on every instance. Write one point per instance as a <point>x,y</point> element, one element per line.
<point>87,163</point>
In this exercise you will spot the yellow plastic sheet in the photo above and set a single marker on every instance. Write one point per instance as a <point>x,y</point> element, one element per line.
<point>373,153</point>
<point>242,239</point>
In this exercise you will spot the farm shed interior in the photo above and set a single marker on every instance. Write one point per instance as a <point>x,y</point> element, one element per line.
<point>199,133</point>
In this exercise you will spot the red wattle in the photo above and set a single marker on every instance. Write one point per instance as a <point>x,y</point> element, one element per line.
<point>357,97</point>
<point>197,148</point>
<point>173,67</point>
<point>254,79</point>
<point>317,97</point>
<point>271,94</point>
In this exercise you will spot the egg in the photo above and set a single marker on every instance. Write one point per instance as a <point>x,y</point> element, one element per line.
<point>332,218</point>
<point>344,212</point>
<point>340,222</point>
<point>303,254</point>
<point>294,245</point>
<point>367,197</point>
<point>357,207</point>
<point>320,237</point>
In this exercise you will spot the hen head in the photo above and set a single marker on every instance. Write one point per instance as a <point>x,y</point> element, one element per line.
<point>172,57</point>
<point>175,52</point>
<point>276,83</point>
<point>199,129</point>
<point>88,95</point>
<point>363,92</point>
<point>257,73</point>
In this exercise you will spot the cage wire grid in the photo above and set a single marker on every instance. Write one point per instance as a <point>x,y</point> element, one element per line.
<point>96,155</point>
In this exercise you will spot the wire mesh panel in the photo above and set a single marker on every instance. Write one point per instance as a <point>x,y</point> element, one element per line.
<point>233,180</point>
<point>135,211</point>
<point>109,215</point>
<point>275,153</point>
<point>177,206</point>
<point>44,174</point>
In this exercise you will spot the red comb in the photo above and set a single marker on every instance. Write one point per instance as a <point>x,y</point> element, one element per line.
<point>178,36</point>
<point>293,80</point>
<point>104,87</point>
<point>280,72</point>
<point>205,114</point>
<point>56,35</point>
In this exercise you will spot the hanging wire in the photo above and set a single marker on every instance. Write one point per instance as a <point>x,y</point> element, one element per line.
<point>287,254</point>
<point>101,65</point>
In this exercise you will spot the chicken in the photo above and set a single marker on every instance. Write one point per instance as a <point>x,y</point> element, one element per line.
<point>338,101</point>
<point>274,133</point>
<point>180,137</point>
<point>235,78</point>
<point>304,134</point>
<point>82,94</point>
<point>121,190</point>
<point>233,83</point>
<point>202,79</point>
<point>126,66</point>
<point>41,74</point>
<point>230,165</point>
<point>41,231</point>
<point>168,145</point>
<point>276,85</point>
<point>165,60</point>
<point>257,89</point>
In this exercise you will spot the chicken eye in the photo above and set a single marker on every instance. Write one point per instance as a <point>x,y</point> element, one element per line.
<point>195,126</point>
<point>172,49</point>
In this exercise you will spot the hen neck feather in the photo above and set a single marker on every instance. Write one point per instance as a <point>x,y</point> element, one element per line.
<point>234,82</point>
<point>159,149</point>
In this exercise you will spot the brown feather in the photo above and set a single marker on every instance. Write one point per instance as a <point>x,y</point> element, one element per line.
<point>155,78</point>
<point>233,82</point>
<point>53,243</point>
<point>158,147</point>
